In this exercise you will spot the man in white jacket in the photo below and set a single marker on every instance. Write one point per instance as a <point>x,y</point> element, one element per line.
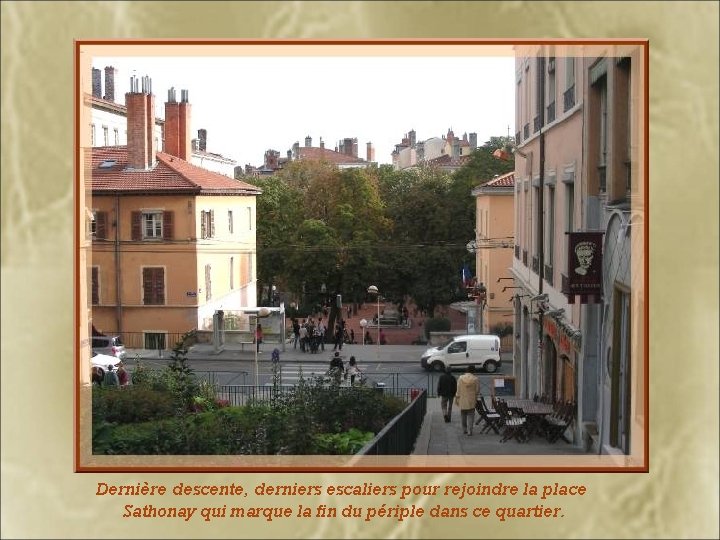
<point>468,387</point>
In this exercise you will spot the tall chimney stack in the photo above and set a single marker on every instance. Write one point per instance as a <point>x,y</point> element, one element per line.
<point>308,141</point>
<point>140,104</point>
<point>370,152</point>
<point>110,73</point>
<point>177,125</point>
<point>96,83</point>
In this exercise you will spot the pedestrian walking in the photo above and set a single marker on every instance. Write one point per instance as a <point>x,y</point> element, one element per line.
<point>353,371</point>
<point>296,332</point>
<point>468,387</point>
<point>111,378</point>
<point>446,389</point>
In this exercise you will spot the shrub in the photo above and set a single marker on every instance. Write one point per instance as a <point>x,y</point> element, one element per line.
<point>436,324</point>
<point>130,404</point>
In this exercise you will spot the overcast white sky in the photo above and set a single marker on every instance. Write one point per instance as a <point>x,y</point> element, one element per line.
<point>251,104</point>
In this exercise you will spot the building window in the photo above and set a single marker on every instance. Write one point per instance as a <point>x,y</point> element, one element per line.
<point>250,267</point>
<point>250,218</point>
<point>230,222</point>
<point>117,136</point>
<point>232,273</point>
<point>152,225</point>
<point>155,340</point>
<point>106,137</point>
<point>207,224</point>
<point>92,135</point>
<point>569,95</point>
<point>95,285</point>
<point>208,282</point>
<point>550,236</point>
<point>98,225</point>
<point>551,90</point>
<point>569,212</point>
<point>620,372</point>
<point>538,221</point>
<point>153,278</point>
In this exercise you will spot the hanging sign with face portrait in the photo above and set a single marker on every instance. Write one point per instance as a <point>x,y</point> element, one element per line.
<point>584,269</point>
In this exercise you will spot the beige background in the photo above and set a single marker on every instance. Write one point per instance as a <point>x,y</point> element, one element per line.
<point>43,498</point>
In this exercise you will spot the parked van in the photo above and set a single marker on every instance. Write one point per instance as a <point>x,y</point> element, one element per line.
<point>482,351</point>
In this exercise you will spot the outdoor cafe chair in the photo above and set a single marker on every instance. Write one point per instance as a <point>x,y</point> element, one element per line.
<point>514,423</point>
<point>491,418</point>
<point>555,424</point>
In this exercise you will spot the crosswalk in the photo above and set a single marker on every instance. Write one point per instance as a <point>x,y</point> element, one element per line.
<point>291,373</point>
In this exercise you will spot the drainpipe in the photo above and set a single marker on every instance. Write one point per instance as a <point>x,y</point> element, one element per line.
<point>541,213</point>
<point>118,281</point>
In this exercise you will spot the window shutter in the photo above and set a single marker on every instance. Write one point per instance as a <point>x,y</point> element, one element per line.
<point>168,225</point>
<point>202,225</point>
<point>147,285</point>
<point>212,223</point>
<point>136,220</point>
<point>159,286</point>
<point>95,295</point>
<point>101,225</point>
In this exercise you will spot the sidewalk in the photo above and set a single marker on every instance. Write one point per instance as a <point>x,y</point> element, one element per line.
<point>440,438</point>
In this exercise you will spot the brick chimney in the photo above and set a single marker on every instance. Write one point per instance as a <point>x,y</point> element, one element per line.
<point>177,125</point>
<point>370,152</point>
<point>110,73</point>
<point>308,141</point>
<point>202,140</point>
<point>96,83</point>
<point>140,104</point>
<point>322,143</point>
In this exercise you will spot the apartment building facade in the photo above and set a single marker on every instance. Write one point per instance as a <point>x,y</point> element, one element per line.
<point>494,230</point>
<point>578,188</point>
<point>171,242</point>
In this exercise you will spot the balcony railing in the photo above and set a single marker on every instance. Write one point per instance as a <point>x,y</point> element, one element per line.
<point>569,98</point>
<point>551,112</point>
<point>537,124</point>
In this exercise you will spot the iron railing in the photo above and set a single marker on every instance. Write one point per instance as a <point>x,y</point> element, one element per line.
<point>399,435</point>
<point>164,341</point>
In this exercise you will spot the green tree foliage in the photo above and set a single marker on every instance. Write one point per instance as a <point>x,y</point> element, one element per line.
<point>404,231</point>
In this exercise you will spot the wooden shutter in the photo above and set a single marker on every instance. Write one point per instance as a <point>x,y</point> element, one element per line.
<point>95,295</point>
<point>212,223</point>
<point>153,286</point>
<point>101,225</point>
<point>168,233</point>
<point>203,225</point>
<point>136,226</point>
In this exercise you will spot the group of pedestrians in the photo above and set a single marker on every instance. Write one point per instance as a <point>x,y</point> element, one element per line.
<point>111,376</point>
<point>338,371</point>
<point>309,335</point>
<point>462,392</point>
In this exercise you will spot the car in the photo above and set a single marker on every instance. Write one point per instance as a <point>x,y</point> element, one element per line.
<point>102,361</point>
<point>109,345</point>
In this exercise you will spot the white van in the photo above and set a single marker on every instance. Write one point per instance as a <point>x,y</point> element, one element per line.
<point>482,351</point>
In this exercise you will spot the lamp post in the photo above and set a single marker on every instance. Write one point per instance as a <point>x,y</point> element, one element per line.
<point>372,289</point>
<point>261,314</point>
<point>363,324</point>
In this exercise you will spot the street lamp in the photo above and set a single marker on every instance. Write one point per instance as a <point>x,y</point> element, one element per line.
<point>261,313</point>
<point>372,289</point>
<point>363,324</point>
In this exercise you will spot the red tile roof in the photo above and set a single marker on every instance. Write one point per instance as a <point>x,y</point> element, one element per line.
<point>447,161</point>
<point>170,175</point>
<point>506,180</point>
<point>313,152</point>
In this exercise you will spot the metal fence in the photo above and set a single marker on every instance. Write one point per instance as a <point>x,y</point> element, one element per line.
<point>398,437</point>
<point>165,341</point>
<point>242,394</point>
